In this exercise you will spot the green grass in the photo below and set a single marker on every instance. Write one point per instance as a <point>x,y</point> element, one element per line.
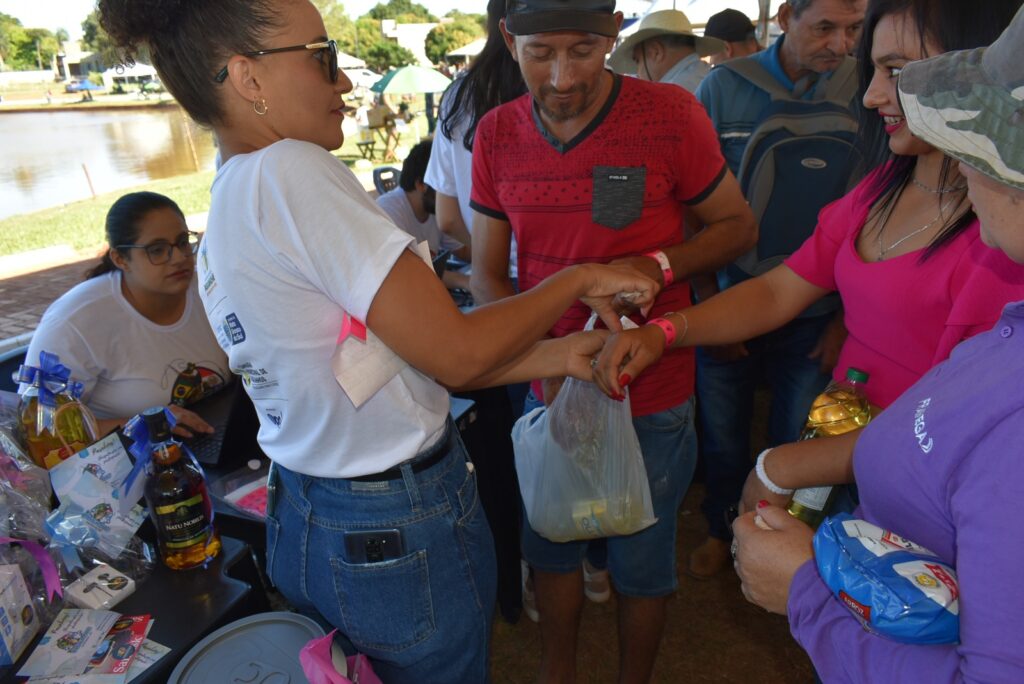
<point>80,224</point>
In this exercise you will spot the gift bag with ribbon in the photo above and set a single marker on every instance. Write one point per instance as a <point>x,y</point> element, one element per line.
<point>54,423</point>
<point>581,472</point>
<point>322,660</point>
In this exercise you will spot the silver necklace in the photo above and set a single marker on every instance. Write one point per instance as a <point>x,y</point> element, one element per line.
<point>883,250</point>
<point>938,191</point>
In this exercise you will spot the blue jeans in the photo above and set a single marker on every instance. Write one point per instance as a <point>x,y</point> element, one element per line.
<point>725,396</point>
<point>641,564</point>
<point>423,617</point>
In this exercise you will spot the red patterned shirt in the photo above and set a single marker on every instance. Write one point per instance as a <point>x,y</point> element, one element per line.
<point>616,190</point>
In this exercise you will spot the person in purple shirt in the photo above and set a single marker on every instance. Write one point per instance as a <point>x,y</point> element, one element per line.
<point>942,465</point>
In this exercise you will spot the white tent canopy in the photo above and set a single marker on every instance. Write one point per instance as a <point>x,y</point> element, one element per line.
<point>699,11</point>
<point>120,75</point>
<point>347,61</point>
<point>470,50</point>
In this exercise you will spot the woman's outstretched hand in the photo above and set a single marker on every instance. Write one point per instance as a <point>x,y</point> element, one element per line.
<point>607,287</point>
<point>625,355</point>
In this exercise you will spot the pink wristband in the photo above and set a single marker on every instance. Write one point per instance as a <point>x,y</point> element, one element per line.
<point>664,265</point>
<point>666,327</point>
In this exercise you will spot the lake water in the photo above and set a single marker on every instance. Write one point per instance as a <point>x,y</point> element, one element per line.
<point>41,154</point>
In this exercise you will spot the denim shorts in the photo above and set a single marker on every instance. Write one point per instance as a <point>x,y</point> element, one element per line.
<point>641,564</point>
<point>422,617</point>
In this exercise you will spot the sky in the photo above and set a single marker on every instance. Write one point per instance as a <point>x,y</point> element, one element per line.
<point>69,14</point>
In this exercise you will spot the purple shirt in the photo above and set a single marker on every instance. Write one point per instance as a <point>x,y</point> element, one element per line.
<point>944,467</point>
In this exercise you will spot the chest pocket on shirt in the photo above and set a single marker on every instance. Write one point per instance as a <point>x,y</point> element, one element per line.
<point>618,195</point>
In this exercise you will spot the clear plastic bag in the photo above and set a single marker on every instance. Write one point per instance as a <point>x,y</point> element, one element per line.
<point>581,472</point>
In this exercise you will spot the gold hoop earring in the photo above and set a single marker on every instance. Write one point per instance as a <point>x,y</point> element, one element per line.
<point>259,105</point>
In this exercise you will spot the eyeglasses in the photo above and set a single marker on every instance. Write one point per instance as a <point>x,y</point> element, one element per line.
<point>330,46</point>
<point>159,252</point>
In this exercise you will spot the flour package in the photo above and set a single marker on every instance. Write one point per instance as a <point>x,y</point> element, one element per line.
<point>895,587</point>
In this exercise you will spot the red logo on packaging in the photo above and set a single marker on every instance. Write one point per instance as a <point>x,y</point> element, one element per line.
<point>862,611</point>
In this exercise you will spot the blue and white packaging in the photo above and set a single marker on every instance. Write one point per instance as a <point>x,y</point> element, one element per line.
<point>896,588</point>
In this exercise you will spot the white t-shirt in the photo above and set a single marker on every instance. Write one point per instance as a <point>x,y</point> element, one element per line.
<point>126,362</point>
<point>450,169</point>
<point>395,204</point>
<point>292,242</point>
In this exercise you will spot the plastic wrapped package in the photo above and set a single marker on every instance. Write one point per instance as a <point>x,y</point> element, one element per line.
<point>895,587</point>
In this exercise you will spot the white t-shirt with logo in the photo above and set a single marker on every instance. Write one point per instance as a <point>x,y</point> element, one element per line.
<point>395,204</point>
<point>126,362</point>
<point>292,243</point>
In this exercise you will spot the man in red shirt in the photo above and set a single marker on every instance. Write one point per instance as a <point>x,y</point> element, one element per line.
<point>593,167</point>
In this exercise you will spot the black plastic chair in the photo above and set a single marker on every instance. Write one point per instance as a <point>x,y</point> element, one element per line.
<point>9,363</point>
<point>385,178</point>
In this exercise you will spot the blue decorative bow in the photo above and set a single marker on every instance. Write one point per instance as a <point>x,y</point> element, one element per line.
<point>68,534</point>
<point>142,445</point>
<point>50,378</point>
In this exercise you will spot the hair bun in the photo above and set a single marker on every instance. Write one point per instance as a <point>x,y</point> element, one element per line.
<point>131,22</point>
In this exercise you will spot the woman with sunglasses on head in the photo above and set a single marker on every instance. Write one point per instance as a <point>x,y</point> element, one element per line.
<point>375,524</point>
<point>942,465</point>
<point>135,333</point>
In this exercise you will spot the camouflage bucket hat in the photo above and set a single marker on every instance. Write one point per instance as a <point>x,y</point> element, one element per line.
<point>970,104</point>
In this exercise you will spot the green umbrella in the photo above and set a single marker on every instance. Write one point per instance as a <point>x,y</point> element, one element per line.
<point>411,79</point>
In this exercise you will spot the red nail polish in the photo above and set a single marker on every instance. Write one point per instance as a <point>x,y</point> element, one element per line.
<point>624,379</point>
<point>762,503</point>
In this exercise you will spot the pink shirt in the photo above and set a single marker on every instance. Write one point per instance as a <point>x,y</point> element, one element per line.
<point>904,316</point>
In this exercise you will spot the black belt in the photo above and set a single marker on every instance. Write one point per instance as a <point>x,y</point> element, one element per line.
<point>419,463</point>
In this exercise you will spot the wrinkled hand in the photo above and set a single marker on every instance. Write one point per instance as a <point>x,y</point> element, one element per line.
<point>627,353</point>
<point>830,344</point>
<point>189,423</point>
<point>766,560</point>
<point>580,348</point>
<point>754,491</point>
<point>605,284</point>
<point>725,353</point>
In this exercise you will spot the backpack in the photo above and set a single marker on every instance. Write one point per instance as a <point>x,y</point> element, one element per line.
<point>801,155</point>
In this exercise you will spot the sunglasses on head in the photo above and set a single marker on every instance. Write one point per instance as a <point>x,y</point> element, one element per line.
<point>328,46</point>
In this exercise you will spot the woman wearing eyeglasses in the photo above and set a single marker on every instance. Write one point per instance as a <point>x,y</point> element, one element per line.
<point>349,339</point>
<point>135,333</point>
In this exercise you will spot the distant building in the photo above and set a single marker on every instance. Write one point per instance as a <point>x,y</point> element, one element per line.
<point>412,37</point>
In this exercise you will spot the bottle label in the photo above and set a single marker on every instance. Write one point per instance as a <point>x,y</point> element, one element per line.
<point>184,523</point>
<point>815,498</point>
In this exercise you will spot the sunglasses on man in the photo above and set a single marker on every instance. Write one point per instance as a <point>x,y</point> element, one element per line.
<point>329,47</point>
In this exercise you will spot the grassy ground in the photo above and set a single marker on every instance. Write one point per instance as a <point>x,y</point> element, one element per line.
<point>80,224</point>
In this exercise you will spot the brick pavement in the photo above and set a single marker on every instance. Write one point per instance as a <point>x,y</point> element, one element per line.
<point>24,298</point>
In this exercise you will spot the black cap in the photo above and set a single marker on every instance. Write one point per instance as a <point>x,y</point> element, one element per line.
<point>523,17</point>
<point>729,25</point>
<point>156,422</point>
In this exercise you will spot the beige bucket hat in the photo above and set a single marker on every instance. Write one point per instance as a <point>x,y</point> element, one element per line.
<point>663,23</point>
<point>970,104</point>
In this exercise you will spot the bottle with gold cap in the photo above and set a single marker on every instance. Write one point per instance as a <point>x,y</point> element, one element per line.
<point>841,408</point>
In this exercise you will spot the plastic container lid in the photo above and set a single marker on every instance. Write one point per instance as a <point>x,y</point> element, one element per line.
<point>856,375</point>
<point>253,649</point>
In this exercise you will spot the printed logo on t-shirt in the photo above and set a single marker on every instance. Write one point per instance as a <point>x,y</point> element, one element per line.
<point>233,328</point>
<point>209,284</point>
<point>274,416</point>
<point>924,442</point>
<point>255,378</point>
<point>193,383</point>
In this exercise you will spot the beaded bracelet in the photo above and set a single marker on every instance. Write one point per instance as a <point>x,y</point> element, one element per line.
<point>762,475</point>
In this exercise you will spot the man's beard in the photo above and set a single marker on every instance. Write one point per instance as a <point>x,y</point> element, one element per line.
<point>568,110</point>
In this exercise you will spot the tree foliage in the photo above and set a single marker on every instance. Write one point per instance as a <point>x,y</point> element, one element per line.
<point>95,39</point>
<point>23,48</point>
<point>403,11</point>
<point>444,38</point>
<point>384,55</point>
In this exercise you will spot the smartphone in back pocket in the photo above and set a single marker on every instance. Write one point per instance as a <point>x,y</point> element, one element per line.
<point>373,546</point>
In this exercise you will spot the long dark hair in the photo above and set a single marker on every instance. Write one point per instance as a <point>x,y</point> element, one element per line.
<point>953,25</point>
<point>123,221</point>
<point>493,79</point>
<point>190,41</point>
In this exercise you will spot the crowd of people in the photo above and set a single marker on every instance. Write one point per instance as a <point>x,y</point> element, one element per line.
<point>658,177</point>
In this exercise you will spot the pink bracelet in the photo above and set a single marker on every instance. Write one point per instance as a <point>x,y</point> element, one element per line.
<point>664,265</point>
<point>667,328</point>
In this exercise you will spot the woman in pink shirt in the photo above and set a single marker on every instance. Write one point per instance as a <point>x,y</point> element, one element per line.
<point>902,249</point>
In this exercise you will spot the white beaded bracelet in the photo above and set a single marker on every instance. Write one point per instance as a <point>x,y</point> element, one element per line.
<point>765,480</point>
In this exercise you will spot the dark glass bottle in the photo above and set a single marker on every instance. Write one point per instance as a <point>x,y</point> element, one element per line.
<point>178,500</point>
